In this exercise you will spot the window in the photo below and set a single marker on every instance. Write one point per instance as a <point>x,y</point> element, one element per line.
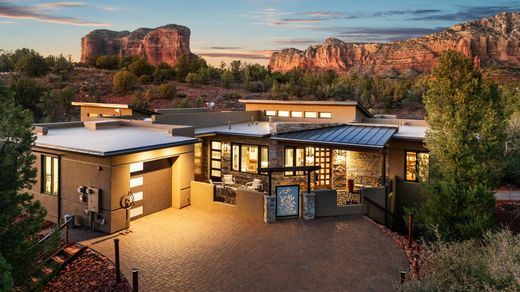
<point>283,113</point>
<point>136,182</point>
<point>298,156</point>
<point>136,167</point>
<point>297,114</point>
<point>324,115</point>
<point>416,166</point>
<point>312,115</point>
<point>50,173</point>
<point>270,113</point>
<point>248,158</point>
<point>216,160</point>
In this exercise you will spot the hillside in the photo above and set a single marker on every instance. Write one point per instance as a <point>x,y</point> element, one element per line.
<point>493,43</point>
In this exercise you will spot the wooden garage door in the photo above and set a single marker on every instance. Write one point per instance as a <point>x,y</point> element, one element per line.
<point>155,192</point>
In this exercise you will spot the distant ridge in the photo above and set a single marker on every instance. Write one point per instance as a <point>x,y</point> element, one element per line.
<point>493,41</point>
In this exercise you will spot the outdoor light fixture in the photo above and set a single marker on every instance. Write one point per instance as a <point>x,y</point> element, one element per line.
<point>226,148</point>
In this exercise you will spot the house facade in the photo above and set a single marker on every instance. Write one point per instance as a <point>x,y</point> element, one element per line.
<point>156,160</point>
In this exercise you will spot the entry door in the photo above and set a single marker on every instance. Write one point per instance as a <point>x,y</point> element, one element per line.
<point>322,158</point>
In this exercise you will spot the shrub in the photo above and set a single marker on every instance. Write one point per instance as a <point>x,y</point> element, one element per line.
<point>167,91</point>
<point>124,81</point>
<point>32,64</point>
<point>163,73</point>
<point>140,67</point>
<point>192,79</point>
<point>145,79</point>
<point>488,264</point>
<point>107,62</point>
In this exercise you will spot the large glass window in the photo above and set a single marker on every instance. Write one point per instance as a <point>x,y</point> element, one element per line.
<point>50,173</point>
<point>416,166</point>
<point>248,158</point>
<point>298,156</point>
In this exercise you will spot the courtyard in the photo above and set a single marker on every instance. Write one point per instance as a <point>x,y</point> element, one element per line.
<point>191,249</point>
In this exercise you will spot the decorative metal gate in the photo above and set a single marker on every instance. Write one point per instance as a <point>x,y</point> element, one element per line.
<point>287,201</point>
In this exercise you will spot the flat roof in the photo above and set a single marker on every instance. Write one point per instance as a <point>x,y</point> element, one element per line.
<point>411,133</point>
<point>307,102</point>
<point>110,141</point>
<point>261,129</point>
<point>99,104</point>
<point>362,136</point>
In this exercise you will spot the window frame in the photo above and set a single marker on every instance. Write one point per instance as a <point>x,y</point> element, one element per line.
<point>260,157</point>
<point>315,114</point>
<point>211,159</point>
<point>417,152</point>
<point>55,177</point>
<point>299,114</point>
<point>284,113</point>
<point>275,113</point>
<point>294,156</point>
<point>327,113</point>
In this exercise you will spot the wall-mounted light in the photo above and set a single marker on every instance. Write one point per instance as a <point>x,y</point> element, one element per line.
<point>340,157</point>
<point>226,148</point>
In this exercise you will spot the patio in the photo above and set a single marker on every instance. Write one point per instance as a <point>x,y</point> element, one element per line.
<point>192,249</point>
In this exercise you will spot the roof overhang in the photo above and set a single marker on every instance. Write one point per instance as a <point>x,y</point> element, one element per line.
<point>347,136</point>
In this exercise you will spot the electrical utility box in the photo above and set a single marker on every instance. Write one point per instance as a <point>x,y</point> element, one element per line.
<point>93,199</point>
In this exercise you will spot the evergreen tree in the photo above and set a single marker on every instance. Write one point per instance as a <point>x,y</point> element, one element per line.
<point>20,218</point>
<point>466,143</point>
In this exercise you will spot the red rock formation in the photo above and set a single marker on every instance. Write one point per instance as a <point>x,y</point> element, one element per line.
<point>163,44</point>
<point>494,40</point>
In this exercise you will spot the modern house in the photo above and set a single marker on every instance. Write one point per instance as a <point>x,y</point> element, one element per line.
<point>272,144</point>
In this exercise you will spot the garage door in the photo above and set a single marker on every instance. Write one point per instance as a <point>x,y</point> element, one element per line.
<point>151,184</point>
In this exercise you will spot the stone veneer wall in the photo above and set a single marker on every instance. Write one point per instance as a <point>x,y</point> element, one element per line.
<point>363,167</point>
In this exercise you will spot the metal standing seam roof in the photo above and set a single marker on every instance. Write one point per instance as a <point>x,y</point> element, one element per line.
<point>346,135</point>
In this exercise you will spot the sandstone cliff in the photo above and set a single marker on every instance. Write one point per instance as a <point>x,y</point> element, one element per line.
<point>488,41</point>
<point>163,44</point>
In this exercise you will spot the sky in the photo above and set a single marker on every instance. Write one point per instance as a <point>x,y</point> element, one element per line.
<point>224,30</point>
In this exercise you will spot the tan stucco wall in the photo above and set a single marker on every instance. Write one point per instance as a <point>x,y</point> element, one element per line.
<point>343,113</point>
<point>327,205</point>
<point>249,204</point>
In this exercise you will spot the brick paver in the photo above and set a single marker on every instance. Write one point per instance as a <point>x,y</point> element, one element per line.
<point>191,249</point>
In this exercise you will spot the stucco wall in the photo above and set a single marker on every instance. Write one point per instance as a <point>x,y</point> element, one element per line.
<point>249,204</point>
<point>340,113</point>
<point>326,205</point>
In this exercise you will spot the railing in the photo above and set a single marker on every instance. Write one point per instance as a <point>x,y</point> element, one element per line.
<point>390,219</point>
<point>49,245</point>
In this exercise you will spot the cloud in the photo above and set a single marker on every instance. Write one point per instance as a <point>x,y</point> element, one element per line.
<point>293,42</point>
<point>63,4</point>
<point>60,5</point>
<point>466,13</point>
<point>383,34</point>
<point>225,48</point>
<point>236,56</point>
<point>405,12</point>
<point>11,11</point>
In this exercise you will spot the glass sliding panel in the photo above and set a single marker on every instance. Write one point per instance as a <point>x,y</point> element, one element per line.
<point>289,159</point>
<point>264,156</point>
<point>411,166</point>
<point>249,158</point>
<point>235,157</point>
<point>55,175</point>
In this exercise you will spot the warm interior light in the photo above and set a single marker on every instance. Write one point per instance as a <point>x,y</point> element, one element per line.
<point>135,182</point>
<point>283,113</point>
<point>138,196</point>
<point>136,211</point>
<point>136,166</point>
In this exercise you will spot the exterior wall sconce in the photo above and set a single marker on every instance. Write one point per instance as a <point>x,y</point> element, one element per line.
<point>340,157</point>
<point>226,148</point>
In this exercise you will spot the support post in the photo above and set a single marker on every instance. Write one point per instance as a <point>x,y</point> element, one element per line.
<point>410,230</point>
<point>270,182</point>
<point>135,280</point>
<point>118,267</point>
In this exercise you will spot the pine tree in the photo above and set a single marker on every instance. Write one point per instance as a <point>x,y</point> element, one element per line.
<point>466,143</point>
<point>20,218</point>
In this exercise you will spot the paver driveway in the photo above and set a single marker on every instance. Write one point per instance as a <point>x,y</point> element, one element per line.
<point>191,249</point>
